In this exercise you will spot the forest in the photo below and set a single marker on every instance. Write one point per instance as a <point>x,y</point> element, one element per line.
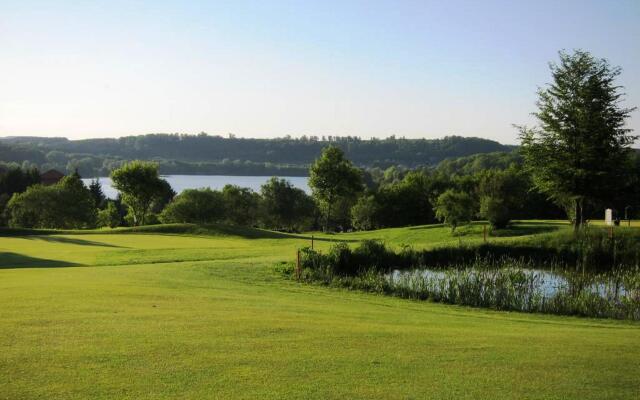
<point>205,154</point>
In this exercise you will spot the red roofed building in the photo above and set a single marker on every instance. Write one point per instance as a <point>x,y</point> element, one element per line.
<point>51,177</point>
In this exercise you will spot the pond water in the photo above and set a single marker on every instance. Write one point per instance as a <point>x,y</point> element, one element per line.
<point>546,283</point>
<point>182,182</point>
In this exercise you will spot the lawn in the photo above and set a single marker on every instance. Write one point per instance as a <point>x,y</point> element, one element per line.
<point>185,312</point>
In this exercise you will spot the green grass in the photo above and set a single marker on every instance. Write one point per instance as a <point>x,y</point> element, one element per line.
<point>189,312</point>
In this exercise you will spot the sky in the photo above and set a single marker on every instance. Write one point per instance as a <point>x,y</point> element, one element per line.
<point>419,69</point>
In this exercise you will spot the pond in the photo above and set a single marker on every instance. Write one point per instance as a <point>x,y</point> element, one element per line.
<point>182,182</point>
<point>533,282</point>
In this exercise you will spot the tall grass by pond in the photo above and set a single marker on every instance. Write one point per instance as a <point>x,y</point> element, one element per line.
<point>591,275</point>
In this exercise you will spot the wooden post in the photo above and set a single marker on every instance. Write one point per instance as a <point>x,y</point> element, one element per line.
<point>298,266</point>
<point>311,242</point>
<point>484,233</point>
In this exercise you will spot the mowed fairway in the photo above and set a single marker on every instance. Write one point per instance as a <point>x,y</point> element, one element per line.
<point>160,315</point>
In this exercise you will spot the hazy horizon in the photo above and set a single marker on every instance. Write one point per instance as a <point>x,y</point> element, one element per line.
<point>412,69</point>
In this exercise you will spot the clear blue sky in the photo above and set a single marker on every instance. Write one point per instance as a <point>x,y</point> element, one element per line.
<point>266,68</point>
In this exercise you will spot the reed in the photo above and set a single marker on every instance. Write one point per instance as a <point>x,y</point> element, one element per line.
<point>492,279</point>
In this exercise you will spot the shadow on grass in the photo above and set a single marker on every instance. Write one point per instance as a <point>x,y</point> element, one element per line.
<point>527,229</point>
<point>15,260</point>
<point>222,230</point>
<point>425,227</point>
<point>66,240</point>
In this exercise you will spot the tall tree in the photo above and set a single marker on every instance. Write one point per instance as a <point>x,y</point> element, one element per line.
<point>140,185</point>
<point>579,150</point>
<point>285,206</point>
<point>332,177</point>
<point>95,187</point>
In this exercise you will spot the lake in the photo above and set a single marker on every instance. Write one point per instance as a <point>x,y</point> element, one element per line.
<point>182,182</point>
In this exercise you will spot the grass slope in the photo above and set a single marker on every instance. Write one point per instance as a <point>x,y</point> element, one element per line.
<point>188,312</point>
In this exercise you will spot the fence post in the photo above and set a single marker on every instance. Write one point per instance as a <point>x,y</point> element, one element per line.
<point>311,242</point>
<point>298,266</point>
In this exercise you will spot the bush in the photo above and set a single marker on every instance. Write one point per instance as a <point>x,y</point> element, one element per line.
<point>109,217</point>
<point>65,205</point>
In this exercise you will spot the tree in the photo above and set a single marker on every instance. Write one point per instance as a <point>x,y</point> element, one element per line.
<point>109,216</point>
<point>241,205</point>
<point>454,208</point>
<point>199,206</point>
<point>500,193</point>
<point>139,184</point>
<point>580,149</point>
<point>406,202</point>
<point>364,214</point>
<point>96,191</point>
<point>285,206</point>
<point>65,205</point>
<point>332,177</point>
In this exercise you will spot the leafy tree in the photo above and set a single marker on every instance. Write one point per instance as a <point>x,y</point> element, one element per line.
<point>286,206</point>
<point>501,193</point>
<point>199,206</point>
<point>165,196</point>
<point>140,185</point>
<point>364,214</point>
<point>454,208</point>
<point>109,216</point>
<point>241,205</point>
<point>406,202</point>
<point>333,177</point>
<point>580,151</point>
<point>65,205</point>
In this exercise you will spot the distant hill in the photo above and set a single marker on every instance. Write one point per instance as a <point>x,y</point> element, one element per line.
<point>192,154</point>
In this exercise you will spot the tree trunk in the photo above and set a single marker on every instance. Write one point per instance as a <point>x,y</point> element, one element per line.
<point>326,223</point>
<point>578,217</point>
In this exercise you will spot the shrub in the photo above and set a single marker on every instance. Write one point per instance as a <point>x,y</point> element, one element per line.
<point>109,217</point>
<point>65,205</point>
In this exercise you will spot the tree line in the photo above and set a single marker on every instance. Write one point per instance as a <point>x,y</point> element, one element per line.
<point>217,155</point>
<point>576,162</point>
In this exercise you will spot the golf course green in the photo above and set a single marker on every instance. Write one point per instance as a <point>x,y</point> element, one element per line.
<point>185,312</point>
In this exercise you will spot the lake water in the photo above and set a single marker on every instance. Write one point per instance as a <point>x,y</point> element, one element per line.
<point>182,182</point>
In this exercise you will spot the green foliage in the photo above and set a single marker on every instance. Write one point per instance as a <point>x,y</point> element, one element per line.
<point>454,208</point>
<point>501,194</point>
<point>65,205</point>
<point>580,152</point>
<point>333,178</point>
<point>241,205</point>
<point>96,192</point>
<point>202,206</point>
<point>17,180</point>
<point>364,213</point>
<point>109,217</point>
<point>140,185</point>
<point>286,207</point>
<point>406,202</point>
<point>215,155</point>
